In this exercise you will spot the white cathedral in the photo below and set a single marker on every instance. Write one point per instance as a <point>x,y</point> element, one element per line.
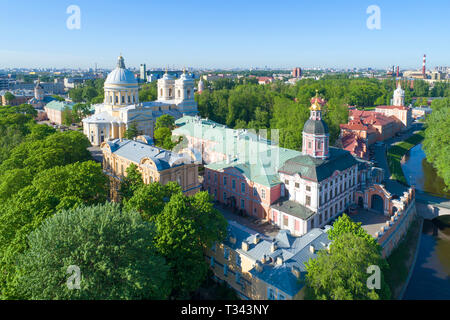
<point>121,106</point>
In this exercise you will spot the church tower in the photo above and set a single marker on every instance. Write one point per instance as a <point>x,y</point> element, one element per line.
<point>39,91</point>
<point>166,87</point>
<point>184,88</point>
<point>399,96</point>
<point>316,137</point>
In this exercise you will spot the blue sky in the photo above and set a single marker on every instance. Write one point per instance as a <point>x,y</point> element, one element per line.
<point>218,33</point>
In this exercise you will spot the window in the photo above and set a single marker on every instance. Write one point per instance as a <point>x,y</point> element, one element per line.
<point>285,220</point>
<point>238,260</point>
<point>209,176</point>
<point>309,144</point>
<point>286,182</point>
<point>320,219</point>
<point>233,184</point>
<point>320,200</point>
<point>308,188</point>
<point>263,193</point>
<point>117,99</point>
<point>129,99</point>
<point>225,270</point>
<point>281,297</point>
<point>297,185</point>
<point>308,200</point>
<point>243,187</point>
<point>226,253</point>
<point>224,196</point>
<point>123,99</point>
<point>224,181</point>
<point>242,204</point>
<point>215,177</point>
<point>270,294</point>
<point>179,93</point>
<point>255,192</point>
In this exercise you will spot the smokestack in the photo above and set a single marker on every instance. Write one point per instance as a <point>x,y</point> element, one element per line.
<point>423,66</point>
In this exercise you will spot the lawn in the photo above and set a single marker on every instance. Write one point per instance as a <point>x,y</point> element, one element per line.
<point>396,153</point>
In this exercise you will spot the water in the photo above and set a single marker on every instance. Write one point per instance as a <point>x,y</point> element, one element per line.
<point>421,173</point>
<point>431,274</point>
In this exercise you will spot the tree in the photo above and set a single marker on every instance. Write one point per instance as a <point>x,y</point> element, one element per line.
<point>132,131</point>
<point>163,138</point>
<point>341,273</point>
<point>185,227</point>
<point>79,111</point>
<point>149,199</point>
<point>67,116</point>
<point>9,97</point>
<point>112,249</point>
<point>437,138</point>
<point>131,182</point>
<point>345,225</point>
<point>165,121</point>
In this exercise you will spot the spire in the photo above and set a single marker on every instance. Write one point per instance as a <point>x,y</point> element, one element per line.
<point>316,105</point>
<point>121,62</point>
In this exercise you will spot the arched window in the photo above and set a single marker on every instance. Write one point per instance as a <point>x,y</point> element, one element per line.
<point>123,99</point>
<point>179,93</point>
<point>129,99</point>
<point>117,99</point>
<point>170,92</point>
<point>161,92</point>
<point>189,93</point>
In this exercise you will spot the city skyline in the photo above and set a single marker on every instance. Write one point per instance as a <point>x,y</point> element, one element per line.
<point>233,35</point>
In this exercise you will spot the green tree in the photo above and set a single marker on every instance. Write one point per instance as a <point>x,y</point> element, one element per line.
<point>9,97</point>
<point>113,250</point>
<point>185,227</point>
<point>345,225</point>
<point>131,182</point>
<point>341,273</point>
<point>165,121</point>
<point>163,138</point>
<point>132,131</point>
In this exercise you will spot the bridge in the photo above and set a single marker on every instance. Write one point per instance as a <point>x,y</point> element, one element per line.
<point>430,206</point>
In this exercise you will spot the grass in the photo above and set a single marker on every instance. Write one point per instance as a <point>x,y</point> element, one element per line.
<point>401,259</point>
<point>396,153</point>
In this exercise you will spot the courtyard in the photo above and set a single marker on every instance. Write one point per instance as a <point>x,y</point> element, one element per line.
<point>370,221</point>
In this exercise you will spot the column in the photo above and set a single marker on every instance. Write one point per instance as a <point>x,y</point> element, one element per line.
<point>120,97</point>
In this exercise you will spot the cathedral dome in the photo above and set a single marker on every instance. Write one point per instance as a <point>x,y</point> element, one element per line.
<point>120,75</point>
<point>318,127</point>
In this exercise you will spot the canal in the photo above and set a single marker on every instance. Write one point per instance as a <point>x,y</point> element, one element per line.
<point>431,274</point>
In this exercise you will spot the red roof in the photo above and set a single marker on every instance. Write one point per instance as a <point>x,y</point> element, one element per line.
<point>392,107</point>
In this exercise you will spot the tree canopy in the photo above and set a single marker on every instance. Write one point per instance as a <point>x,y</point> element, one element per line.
<point>112,249</point>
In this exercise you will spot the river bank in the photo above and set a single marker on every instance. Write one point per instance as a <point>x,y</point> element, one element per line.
<point>396,155</point>
<point>402,259</point>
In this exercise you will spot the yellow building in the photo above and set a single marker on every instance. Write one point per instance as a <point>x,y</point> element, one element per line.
<point>155,164</point>
<point>260,267</point>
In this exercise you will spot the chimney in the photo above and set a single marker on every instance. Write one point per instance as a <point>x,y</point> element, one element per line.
<point>258,266</point>
<point>245,245</point>
<point>280,260</point>
<point>256,238</point>
<point>264,259</point>
<point>296,271</point>
<point>273,246</point>
<point>311,248</point>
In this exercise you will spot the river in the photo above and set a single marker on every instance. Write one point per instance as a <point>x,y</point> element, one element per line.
<point>431,274</point>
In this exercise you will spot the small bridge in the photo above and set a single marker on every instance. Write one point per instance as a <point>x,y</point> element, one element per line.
<point>430,206</point>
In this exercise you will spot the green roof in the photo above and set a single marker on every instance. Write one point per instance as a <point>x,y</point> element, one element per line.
<point>319,169</point>
<point>59,105</point>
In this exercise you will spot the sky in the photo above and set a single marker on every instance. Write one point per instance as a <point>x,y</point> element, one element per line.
<point>224,33</point>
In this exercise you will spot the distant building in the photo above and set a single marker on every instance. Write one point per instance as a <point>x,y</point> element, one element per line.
<point>155,164</point>
<point>40,99</point>
<point>264,80</point>
<point>55,110</point>
<point>201,86</point>
<point>21,96</point>
<point>398,108</point>
<point>143,72</point>
<point>297,73</point>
